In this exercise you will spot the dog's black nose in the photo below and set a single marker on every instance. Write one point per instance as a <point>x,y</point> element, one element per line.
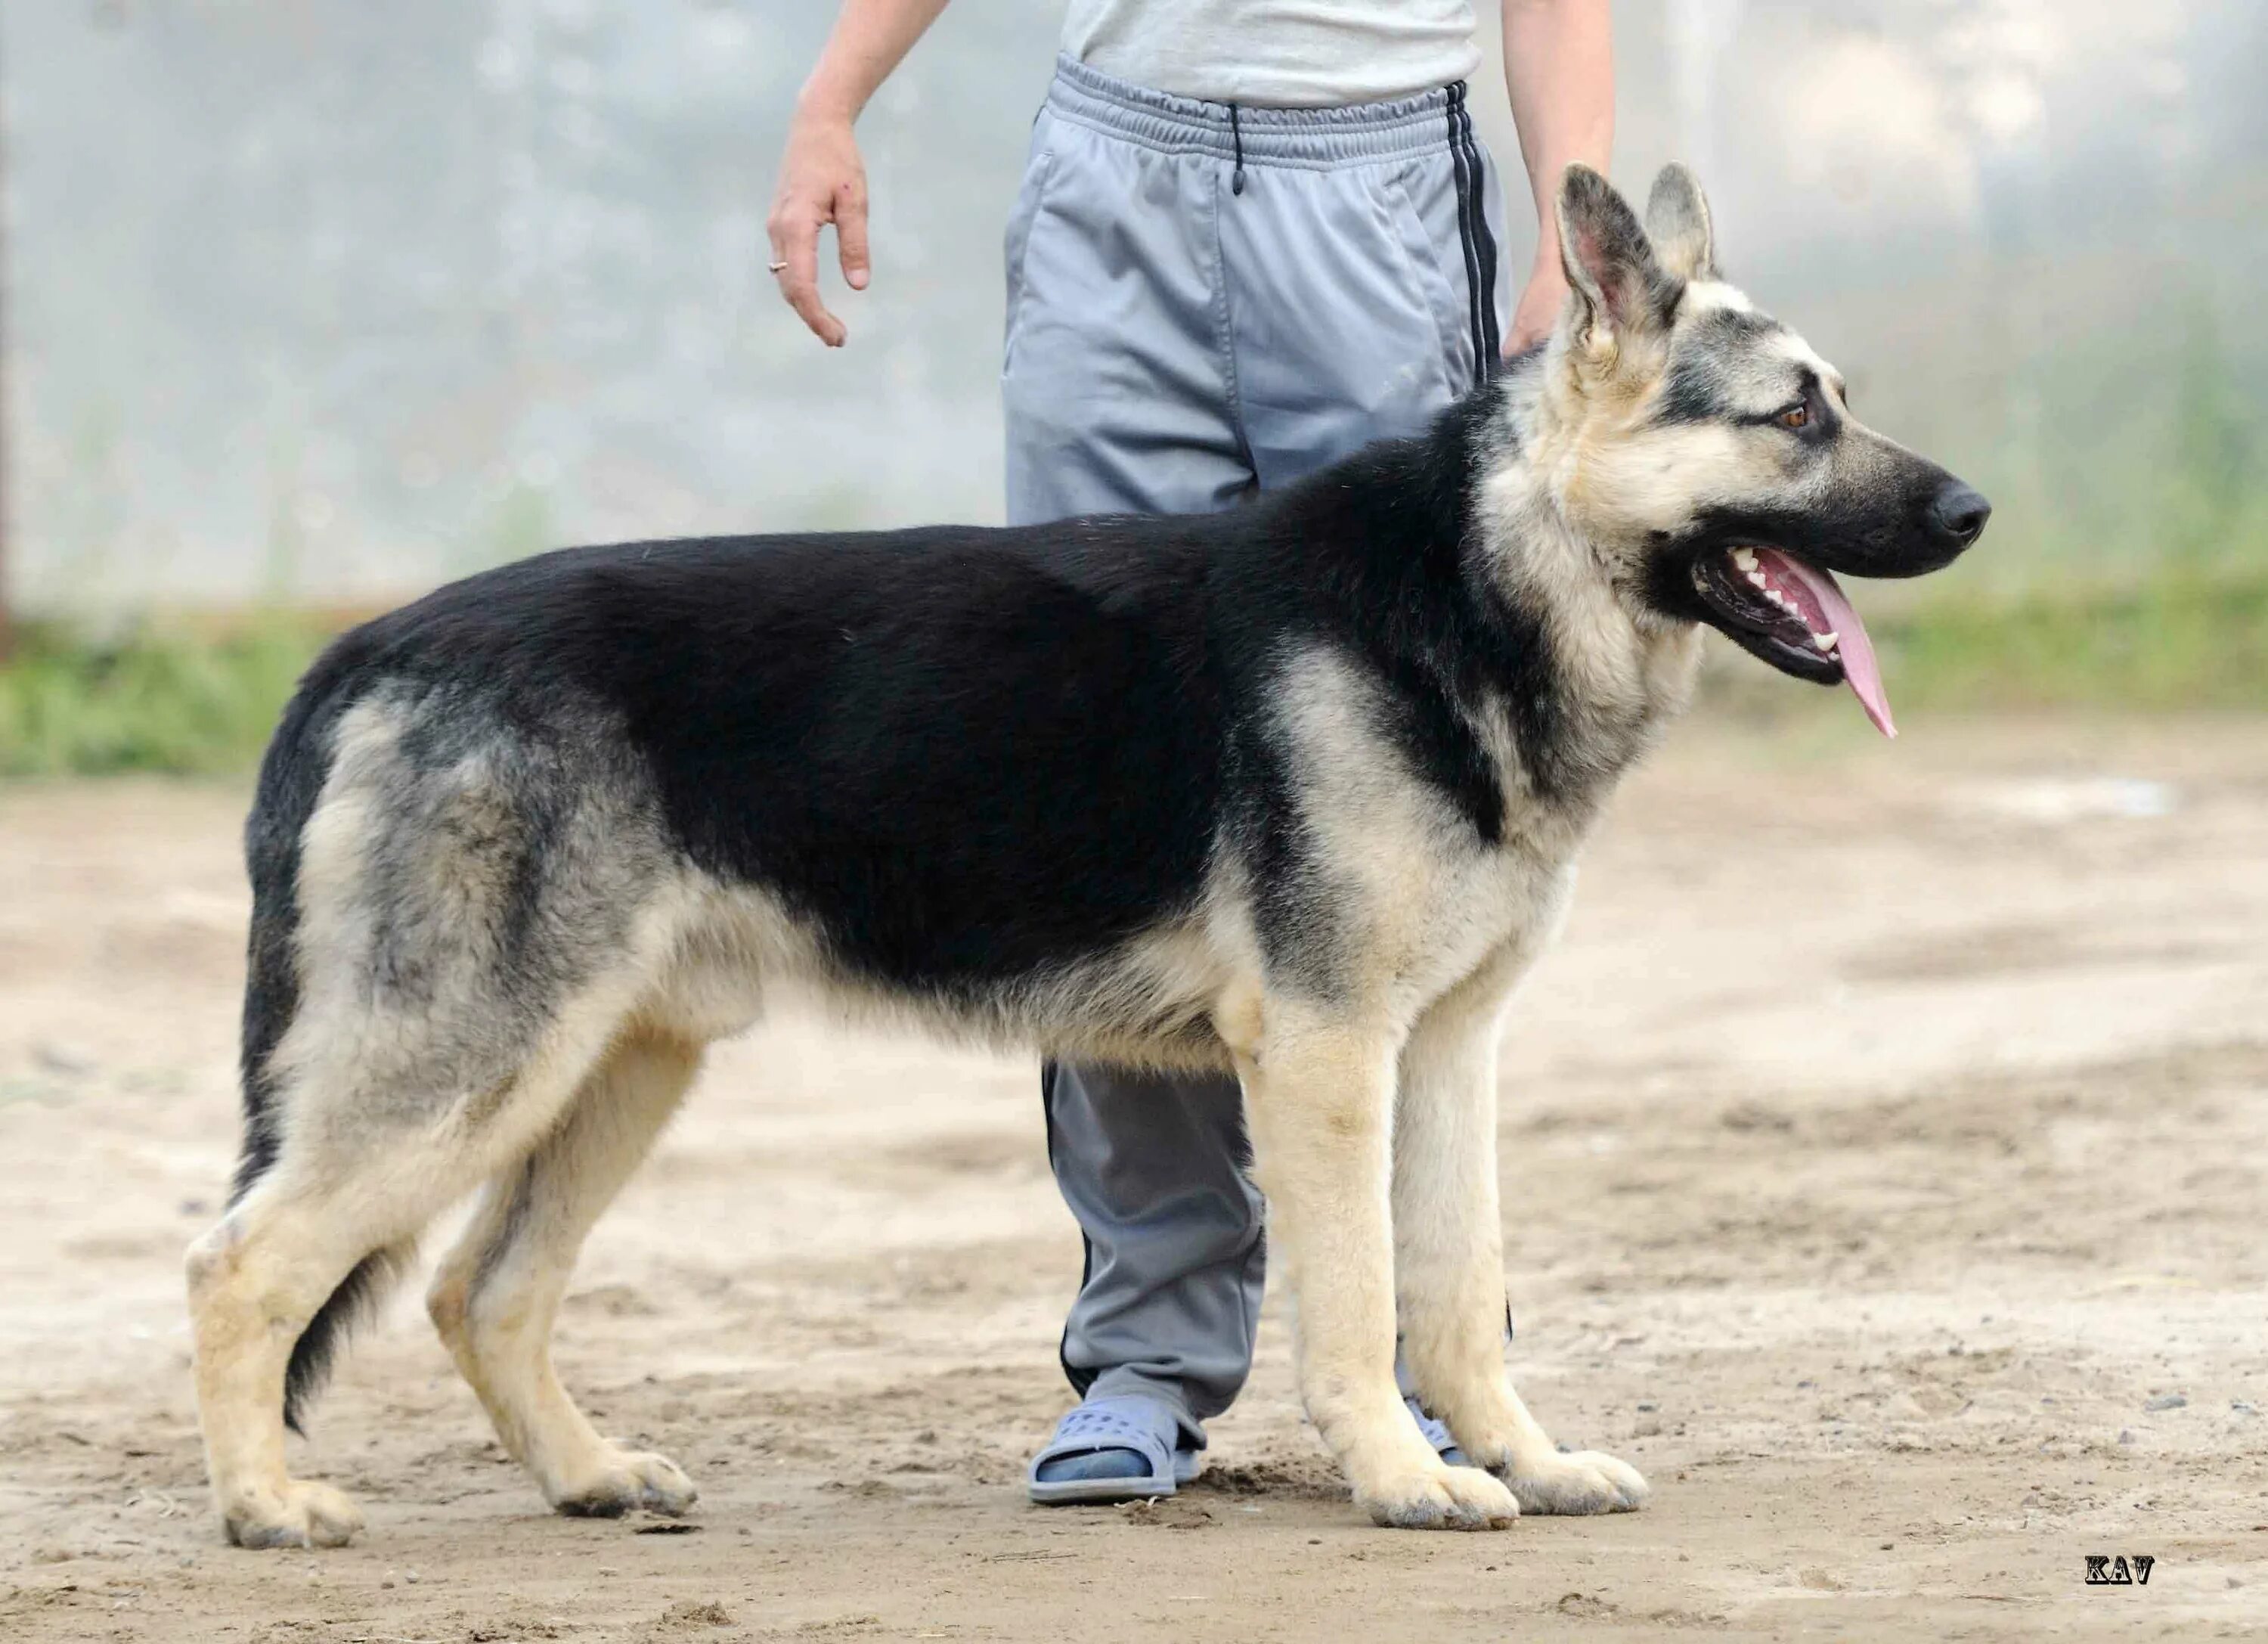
<point>1959,513</point>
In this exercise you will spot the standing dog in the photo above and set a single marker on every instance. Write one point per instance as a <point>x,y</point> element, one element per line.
<point>1296,790</point>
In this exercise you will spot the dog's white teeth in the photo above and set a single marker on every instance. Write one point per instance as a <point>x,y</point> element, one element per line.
<point>1757,577</point>
<point>1825,642</point>
<point>1746,559</point>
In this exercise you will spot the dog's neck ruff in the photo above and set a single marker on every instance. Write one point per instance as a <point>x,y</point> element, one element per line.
<point>1615,671</point>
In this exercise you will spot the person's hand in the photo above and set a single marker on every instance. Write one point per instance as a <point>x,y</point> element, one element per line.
<point>822,180</point>
<point>1539,306</point>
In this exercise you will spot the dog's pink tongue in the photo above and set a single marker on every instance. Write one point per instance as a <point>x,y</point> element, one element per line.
<point>1860,670</point>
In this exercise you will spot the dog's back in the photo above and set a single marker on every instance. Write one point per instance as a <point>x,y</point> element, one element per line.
<point>957,760</point>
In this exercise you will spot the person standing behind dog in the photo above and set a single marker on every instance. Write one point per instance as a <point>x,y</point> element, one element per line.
<point>1251,239</point>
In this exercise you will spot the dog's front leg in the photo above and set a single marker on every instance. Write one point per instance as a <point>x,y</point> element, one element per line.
<point>1449,1259</point>
<point>1319,1097</point>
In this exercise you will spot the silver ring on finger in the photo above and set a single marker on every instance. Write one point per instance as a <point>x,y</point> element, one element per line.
<point>776,267</point>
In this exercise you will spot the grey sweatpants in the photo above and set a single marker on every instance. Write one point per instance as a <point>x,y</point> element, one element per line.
<point>1204,302</point>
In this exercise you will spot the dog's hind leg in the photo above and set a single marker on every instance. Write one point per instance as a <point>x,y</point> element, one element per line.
<point>496,1295</point>
<point>305,1238</point>
<point>1449,1257</point>
<point>352,1183</point>
<point>453,914</point>
<point>1319,1099</point>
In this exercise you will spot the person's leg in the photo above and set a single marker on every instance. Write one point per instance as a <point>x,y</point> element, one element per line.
<point>1116,400</point>
<point>1153,1167</point>
<point>1123,387</point>
<point>1367,295</point>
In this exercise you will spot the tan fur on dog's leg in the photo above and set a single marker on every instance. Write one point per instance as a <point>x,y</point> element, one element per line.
<point>497,1294</point>
<point>1447,1227</point>
<point>1318,1100</point>
<point>1449,1258</point>
<point>254,1281</point>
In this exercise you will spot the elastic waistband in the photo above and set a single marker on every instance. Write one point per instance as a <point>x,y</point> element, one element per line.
<point>1317,138</point>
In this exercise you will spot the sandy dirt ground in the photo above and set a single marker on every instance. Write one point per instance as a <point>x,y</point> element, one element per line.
<point>1885,1174</point>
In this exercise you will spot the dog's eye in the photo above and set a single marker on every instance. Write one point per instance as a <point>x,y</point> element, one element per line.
<point>1796,417</point>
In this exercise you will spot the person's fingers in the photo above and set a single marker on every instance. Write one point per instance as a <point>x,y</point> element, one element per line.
<point>850,231</point>
<point>795,241</point>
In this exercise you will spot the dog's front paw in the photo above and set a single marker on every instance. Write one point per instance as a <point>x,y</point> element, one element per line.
<point>298,1515</point>
<point>1589,1481</point>
<point>622,1481</point>
<point>1439,1497</point>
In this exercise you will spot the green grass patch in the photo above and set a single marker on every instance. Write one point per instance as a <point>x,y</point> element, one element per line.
<point>180,702</point>
<point>149,699</point>
<point>2184,637</point>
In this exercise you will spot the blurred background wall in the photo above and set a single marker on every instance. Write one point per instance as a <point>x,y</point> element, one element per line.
<point>324,302</point>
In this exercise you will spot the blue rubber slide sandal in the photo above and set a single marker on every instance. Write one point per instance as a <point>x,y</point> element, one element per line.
<point>1124,1447</point>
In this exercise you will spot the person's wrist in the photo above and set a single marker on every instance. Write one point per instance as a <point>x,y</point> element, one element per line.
<point>822,103</point>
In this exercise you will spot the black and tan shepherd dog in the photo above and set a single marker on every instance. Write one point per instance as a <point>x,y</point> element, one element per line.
<point>1295,790</point>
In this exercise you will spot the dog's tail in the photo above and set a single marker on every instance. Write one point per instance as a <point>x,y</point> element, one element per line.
<point>291,782</point>
<point>354,1301</point>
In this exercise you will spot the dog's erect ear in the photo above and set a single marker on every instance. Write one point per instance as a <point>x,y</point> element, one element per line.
<point>1677,222</point>
<point>1610,262</point>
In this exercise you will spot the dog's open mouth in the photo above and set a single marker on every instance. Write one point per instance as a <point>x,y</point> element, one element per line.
<point>1795,617</point>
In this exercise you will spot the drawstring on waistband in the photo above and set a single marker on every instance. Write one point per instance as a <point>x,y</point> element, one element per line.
<point>1308,139</point>
<point>1236,134</point>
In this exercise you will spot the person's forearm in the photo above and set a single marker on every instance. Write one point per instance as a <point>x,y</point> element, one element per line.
<point>869,40</point>
<point>822,180</point>
<point>1559,70</point>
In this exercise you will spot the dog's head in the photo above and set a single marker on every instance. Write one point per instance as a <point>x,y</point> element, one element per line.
<point>1711,455</point>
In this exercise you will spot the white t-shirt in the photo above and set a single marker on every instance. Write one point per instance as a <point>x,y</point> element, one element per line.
<point>1276,54</point>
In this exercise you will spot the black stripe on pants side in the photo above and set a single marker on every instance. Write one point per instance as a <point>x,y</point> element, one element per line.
<point>1465,214</point>
<point>1491,358</point>
<point>1079,1378</point>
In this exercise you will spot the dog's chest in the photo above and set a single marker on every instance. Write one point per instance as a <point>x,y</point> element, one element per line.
<point>1416,888</point>
<point>1482,900</point>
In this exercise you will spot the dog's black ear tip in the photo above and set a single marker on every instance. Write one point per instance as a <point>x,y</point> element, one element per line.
<point>1580,181</point>
<point>1586,196</point>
